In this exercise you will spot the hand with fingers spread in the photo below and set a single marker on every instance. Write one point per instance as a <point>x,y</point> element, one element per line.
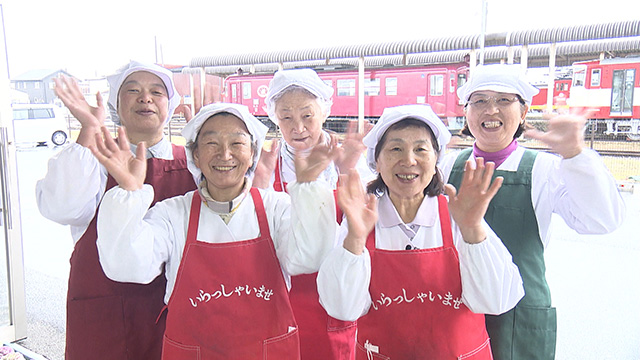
<point>310,166</point>
<point>116,157</point>
<point>266,165</point>
<point>468,204</point>
<point>360,209</point>
<point>352,147</point>
<point>565,132</point>
<point>90,117</point>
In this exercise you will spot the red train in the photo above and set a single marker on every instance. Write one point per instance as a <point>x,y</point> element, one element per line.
<point>435,85</point>
<point>611,85</point>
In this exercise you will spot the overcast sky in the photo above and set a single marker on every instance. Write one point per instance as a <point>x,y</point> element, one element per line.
<point>90,38</point>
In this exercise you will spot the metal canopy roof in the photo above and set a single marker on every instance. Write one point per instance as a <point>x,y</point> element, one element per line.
<point>574,43</point>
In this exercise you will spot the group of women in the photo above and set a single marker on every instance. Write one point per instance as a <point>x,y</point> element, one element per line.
<point>311,250</point>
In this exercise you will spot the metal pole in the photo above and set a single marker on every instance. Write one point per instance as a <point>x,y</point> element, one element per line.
<point>360,93</point>
<point>483,29</point>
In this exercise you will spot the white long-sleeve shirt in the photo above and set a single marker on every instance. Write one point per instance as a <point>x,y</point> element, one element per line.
<point>71,190</point>
<point>581,190</point>
<point>134,244</point>
<point>491,282</point>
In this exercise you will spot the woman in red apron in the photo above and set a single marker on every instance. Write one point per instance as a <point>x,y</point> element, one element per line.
<point>418,283</point>
<point>228,249</point>
<point>299,102</point>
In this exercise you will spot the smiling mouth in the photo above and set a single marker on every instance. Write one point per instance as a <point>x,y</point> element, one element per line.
<point>407,176</point>
<point>491,124</point>
<point>223,168</point>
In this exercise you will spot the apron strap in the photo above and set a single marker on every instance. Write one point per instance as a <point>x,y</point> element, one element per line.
<point>194,218</point>
<point>260,213</point>
<point>445,222</point>
<point>278,184</point>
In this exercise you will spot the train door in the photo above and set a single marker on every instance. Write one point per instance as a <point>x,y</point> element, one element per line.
<point>436,93</point>
<point>622,92</point>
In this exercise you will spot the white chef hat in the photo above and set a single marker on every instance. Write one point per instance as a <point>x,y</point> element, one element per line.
<point>116,80</point>
<point>304,78</point>
<point>500,78</point>
<point>393,115</point>
<point>190,132</point>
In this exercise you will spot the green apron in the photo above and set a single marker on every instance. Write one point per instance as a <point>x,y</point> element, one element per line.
<point>527,331</point>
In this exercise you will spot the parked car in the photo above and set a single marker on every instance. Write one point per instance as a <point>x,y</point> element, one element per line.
<point>39,124</point>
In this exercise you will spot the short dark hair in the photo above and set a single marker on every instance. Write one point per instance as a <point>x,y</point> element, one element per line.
<point>436,186</point>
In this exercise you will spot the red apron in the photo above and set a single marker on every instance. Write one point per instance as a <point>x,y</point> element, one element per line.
<point>230,299</point>
<point>112,320</point>
<point>321,336</point>
<point>417,310</point>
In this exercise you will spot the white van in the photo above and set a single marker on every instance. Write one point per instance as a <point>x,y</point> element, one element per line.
<point>39,124</point>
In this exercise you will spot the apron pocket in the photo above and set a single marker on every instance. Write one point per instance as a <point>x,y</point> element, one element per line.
<point>535,332</point>
<point>342,337</point>
<point>173,350</point>
<point>286,346</point>
<point>95,327</point>
<point>361,354</point>
<point>481,352</point>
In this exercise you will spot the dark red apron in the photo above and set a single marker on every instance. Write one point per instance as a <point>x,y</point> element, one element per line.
<point>112,320</point>
<point>230,299</point>
<point>321,336</point>
<point>417,310</point>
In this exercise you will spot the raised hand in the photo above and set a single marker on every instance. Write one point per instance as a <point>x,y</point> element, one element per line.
<point>565,132</point>
<point>266,165</point>
<point>468,204</point>
<point>352,147</point>
<point>90,117</point>
<point>310,166</point>
<point>127,170</point>
<point>360,209</point>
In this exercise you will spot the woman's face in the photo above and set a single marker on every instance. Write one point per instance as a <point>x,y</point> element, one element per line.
<point>224,154</point>
<point>407,161</point>
<point>300,119</point>
<point>143,103</point>
<point>494,118</point>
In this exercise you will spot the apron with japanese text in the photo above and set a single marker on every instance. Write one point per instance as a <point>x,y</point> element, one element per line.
<point>417,310</point>
<point>321,336</point>
<point>527,331</point>
<point>113,320</point>
<point>230,299</point>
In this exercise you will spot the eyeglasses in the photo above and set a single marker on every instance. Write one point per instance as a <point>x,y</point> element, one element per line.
<point>483,102</point>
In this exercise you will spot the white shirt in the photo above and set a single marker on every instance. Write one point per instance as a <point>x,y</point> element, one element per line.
<point>135,244</point>
<point>71,190</point>
<point>491,282</point>
<point>581,190</point>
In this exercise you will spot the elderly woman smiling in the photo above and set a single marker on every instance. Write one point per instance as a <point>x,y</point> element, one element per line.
<point>417,281</point>
<point>224,247</point>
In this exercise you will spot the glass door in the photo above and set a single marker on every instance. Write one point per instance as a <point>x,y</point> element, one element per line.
<point>622,92</point>
<point>13,322</point>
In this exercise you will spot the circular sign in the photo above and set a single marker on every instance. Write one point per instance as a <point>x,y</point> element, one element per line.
<point>262,90</point>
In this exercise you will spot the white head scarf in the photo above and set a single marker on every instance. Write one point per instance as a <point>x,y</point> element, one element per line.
<point>190,132</point>
<point>393,115</point>
<point>304,78</point>
<point>116,80</point>
<point>499,78</point>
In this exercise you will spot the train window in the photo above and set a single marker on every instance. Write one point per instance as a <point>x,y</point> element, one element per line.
<point>391,86</point>
<point>371,87</point>
<point>246,90</point>
<point>462,79</point>
<point>328,82</point>
<point>346,87</point>
<point>595,77</point>
<point>579,75</point>
<point>436,85</point>
<point>234,92</point>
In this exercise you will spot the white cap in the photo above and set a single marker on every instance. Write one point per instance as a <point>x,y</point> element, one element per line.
<point>116,80</point>
<point>499,78</point>
<point>190,132</point>
<point>393,115</point>
<point>304,78</point>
